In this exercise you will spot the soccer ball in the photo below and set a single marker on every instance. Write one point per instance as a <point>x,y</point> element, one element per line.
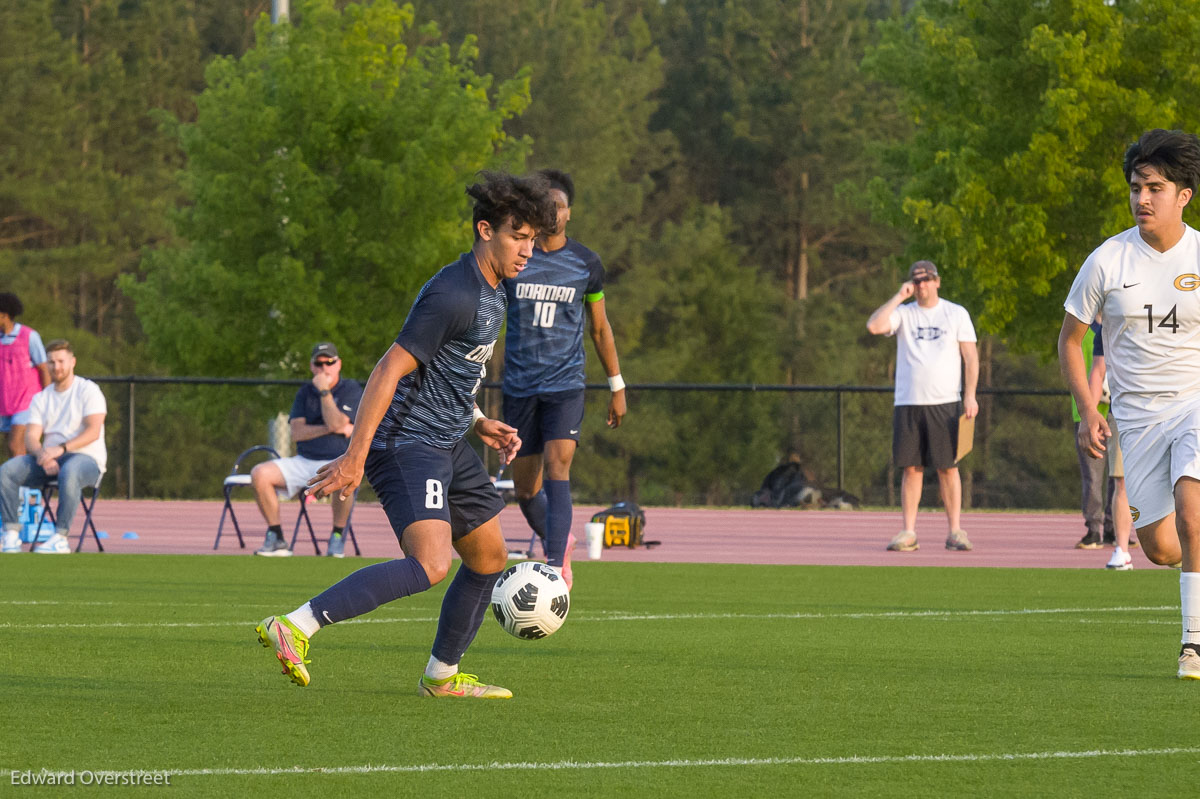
<point>530,600</point>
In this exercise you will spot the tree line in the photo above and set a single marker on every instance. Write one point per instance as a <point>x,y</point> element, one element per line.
<point>191,190</point>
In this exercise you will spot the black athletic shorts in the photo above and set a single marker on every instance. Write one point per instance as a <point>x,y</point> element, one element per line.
<point>417,482</point>
<point>925,435</point>
<point>544,417</point>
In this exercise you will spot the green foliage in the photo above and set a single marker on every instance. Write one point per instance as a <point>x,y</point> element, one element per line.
<point>691,317</point>
<point>772,114</point>
<point>317,181</point>
<point>326,170</point>
<point>1021,113</point>
<point>86,182</point>
<point>594,73</point>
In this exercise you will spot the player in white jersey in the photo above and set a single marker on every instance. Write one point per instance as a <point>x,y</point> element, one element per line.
<point>1145,283</point>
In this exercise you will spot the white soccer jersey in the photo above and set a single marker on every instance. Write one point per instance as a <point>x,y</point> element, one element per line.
<point>1151,310</point>
<point>928,358</point>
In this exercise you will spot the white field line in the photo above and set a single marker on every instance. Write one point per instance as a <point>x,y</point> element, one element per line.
<point>616,616</point>
<point>574,765</point>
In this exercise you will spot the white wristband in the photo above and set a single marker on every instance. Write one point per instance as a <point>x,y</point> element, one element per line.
<point>615,383</point>
<point>476,416</point>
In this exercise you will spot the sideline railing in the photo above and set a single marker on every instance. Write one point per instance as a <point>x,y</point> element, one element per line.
<point>838,393</point>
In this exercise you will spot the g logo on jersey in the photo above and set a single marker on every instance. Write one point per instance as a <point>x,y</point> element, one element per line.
<point>1136,513</point>
<point>1188,282</point>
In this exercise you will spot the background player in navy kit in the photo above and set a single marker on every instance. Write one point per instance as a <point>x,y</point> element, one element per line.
<point>543,370</point>
<point>408,437</point>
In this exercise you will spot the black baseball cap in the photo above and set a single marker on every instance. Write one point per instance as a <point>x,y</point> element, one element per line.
<point>324,348</point>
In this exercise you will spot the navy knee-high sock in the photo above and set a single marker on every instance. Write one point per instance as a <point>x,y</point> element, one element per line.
<point>534,509</point>
<point>558,519</point>
<point>368,588</point>
<point>463,609</point>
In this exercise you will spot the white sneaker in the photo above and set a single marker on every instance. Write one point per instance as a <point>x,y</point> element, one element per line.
<point>1120,561</point>
<point>11,542</point>
<point>56,544</point>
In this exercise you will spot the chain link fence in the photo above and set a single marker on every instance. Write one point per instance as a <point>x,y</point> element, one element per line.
<point>680,444</point>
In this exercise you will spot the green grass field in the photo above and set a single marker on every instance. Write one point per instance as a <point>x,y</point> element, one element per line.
<point>667,680</point>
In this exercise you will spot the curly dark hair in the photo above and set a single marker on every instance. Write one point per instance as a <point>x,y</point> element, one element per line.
<point>500,196</point>
<point>1172,152</point>
<point>562,181</point>
<point>11,304</point>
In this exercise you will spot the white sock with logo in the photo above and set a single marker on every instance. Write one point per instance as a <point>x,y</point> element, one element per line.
<point>304,619</point>
<point>1189,601</point>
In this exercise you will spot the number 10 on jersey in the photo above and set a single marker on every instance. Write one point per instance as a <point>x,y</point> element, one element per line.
<point>543,314</point>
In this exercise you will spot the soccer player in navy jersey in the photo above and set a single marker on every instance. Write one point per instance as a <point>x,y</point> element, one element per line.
<point>543,370</point>
<point>408,439</point>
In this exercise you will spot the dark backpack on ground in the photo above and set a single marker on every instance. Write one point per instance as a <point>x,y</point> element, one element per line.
<point>784,487</point>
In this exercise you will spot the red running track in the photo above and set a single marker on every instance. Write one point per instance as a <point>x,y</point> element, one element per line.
<point>688,535</point>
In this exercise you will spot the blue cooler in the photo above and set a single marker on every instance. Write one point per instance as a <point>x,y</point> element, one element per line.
<point>29,513</point>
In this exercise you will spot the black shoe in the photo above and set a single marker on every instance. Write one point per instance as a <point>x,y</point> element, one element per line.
<point>1089,541</point>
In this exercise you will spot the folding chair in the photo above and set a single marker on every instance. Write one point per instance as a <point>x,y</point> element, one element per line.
<point>304,517</point>
<point>232,481</point>
<point>48,490</point>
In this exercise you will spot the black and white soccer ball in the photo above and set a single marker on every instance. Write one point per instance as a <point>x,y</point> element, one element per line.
<point>531,600</point>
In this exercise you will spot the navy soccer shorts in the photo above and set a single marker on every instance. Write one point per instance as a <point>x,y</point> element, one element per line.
<point>417,482</point>
<point>544,417</point>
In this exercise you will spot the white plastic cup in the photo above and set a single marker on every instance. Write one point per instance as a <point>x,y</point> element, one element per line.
<point>595,539</point>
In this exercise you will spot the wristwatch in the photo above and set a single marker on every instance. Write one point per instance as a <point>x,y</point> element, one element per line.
<point>323,392</point>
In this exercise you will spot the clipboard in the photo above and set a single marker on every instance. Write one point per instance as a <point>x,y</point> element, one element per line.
<point>966,437</point>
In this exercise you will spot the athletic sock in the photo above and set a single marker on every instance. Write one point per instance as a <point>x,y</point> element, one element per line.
<point>558,519</point>
<point>368,588</point>
<point>1189,601</point>
<point>277,529</point>
<point>338,530</point>
<point>304,619</point>
<point>463,608</point>
<point>534,510</point>
<point>437,671</point>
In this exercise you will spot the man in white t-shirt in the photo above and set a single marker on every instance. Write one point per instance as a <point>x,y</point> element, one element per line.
<point>1145,282</point>
<point>935,345</point>
<point>64,439</point>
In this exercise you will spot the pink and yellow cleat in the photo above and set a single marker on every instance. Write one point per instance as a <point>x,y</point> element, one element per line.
<point>291,646</point>
<point>461,686</point>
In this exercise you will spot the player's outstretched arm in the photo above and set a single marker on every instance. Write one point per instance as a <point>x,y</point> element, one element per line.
<point>345,473</point>
<point>1094,431</point>
<point>606,348</point>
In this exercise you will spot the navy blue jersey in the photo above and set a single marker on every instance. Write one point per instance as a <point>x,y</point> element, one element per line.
<point>307,406</point>
<point>451,330</point>
<point>543,347</point>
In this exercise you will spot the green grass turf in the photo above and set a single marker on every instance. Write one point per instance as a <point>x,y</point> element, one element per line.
<point>150,662</point>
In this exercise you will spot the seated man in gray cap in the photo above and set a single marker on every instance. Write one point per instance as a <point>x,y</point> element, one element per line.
<point>321,420</point>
